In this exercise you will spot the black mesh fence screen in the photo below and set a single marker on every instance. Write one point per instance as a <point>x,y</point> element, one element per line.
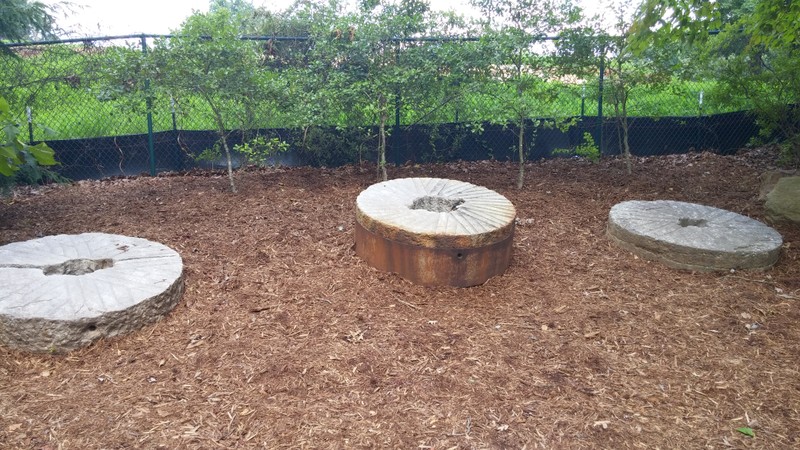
<point>99,128</point>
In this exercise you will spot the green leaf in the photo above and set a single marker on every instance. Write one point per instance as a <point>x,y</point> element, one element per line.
<point>5,109</point>
<point>12,131</point>
<point>5,168</point>
<point>9,153</point>
<point>43,154</point>
<point>9,160</point>
<point>747,431</point>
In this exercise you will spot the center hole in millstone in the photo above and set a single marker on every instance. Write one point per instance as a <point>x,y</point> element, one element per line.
<point>687,222</point>
<point>78,266</point>
<point>437,204</point>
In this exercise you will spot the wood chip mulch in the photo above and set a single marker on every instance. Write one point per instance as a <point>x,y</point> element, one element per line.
<point>286,339</point>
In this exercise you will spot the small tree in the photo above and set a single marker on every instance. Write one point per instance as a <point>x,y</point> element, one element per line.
<point>515,28</point>
<point>756,55</point>
<point>360,63</point>
<point>581,50</point>
<point>630,71</point>
<point>762,67</point>
<point>206,58</point>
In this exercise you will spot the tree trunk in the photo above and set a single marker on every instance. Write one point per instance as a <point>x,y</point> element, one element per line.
<point>626,146</point>
<point>621,112</point>
<point>521,148</point>
<point>384,117</point>
<point>228,157</point>
<point>522,116</point>
<point>224,139</point>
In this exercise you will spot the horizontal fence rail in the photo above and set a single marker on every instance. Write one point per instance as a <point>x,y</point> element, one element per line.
<point>101,129</point>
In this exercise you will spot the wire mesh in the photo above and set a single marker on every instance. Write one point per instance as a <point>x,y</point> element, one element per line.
<point>76,96</point>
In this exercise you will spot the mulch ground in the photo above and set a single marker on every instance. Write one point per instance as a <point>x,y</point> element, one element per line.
<point>286,339</point>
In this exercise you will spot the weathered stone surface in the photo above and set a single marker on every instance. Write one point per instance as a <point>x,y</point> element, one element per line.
<point>435,212</point>
<point>783,201</point>
<point>769,179</point>
<point>694,237</point>
<point>435,231</point>
<point>63,292</point>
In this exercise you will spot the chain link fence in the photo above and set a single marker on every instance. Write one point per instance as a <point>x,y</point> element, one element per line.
<point>71,95</point>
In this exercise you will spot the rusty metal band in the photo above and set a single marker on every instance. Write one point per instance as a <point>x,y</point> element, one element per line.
<point>459,267</point>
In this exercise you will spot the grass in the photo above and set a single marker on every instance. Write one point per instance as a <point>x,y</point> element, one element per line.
<point>64,89</point>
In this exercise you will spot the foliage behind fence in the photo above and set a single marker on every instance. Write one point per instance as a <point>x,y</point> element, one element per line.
<point>76,96</point>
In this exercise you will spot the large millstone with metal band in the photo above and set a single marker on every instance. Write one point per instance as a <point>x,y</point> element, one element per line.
<point>60,293</point>
<point>435,231</point>
<point>693,237</point>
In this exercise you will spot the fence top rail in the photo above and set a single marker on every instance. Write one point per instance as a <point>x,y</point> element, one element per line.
<point>274,38</point>
<point>81,40</point>
<point>249,38</point>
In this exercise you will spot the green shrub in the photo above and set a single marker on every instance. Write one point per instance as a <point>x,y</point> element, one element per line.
<point>586,149</point>
<point>259,149</point>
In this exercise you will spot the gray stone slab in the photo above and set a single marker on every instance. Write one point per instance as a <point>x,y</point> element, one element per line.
<point>783,201</point>
<point>63,292</point>
<point>694,237</point>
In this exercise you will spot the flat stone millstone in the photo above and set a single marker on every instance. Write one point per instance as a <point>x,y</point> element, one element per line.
<point>63,292</point>
<point>435,231</point>
<point>694,237</point>
<point>479,216</point>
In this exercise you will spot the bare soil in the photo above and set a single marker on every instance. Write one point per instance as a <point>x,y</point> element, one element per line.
<point>286,339</point>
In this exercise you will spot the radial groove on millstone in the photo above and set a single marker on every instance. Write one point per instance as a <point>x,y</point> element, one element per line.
<point>691,236</point>
<point>387,206</point>
<point>435,231</point>
<point>63,292</point>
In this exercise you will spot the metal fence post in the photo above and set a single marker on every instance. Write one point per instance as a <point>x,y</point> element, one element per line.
<point>583,100</point>
<point>397,90</point>
<point>30,124</point>
<point>600,97</point>
<point>395,137</point>
<point>150,145</point>
<point>700,122</point>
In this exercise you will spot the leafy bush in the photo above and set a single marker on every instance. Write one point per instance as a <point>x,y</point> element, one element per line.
<point>16,157</point>
<point>586,149</point>
<point>327,146</point>
<point>259,150</point>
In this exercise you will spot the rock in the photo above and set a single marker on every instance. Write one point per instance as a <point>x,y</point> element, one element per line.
<point>60,293</point>
<point>768,181</point>
<point>783,201</point>
<point>694,237</point>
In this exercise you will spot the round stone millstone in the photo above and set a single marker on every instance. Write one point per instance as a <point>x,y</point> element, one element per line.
<point>435,231</point>
<point>694,237</point>
<point>60,293</point>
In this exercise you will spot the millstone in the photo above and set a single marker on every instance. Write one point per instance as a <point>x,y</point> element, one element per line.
<point>60,293</point>
<point>694,237</point>
<point>435,231</point>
